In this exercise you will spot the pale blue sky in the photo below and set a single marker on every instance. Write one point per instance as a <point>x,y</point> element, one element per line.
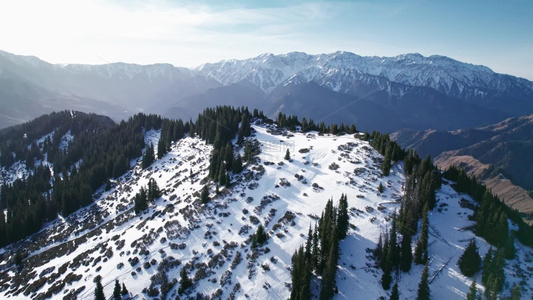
<point>498,34</point>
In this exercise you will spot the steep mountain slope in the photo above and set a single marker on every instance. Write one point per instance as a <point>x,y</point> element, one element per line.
<point>212,241</point>
<point>498,153</point>
<point>308,100</point>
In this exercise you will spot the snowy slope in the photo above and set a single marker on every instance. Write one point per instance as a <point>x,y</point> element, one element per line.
<point>177,230</point>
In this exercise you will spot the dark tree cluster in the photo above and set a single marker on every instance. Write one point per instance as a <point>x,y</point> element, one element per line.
<point>171,131</point>
<point>422,180</point>
<point>493,276</point>
<point>424,292</point>
<point>470,261</point>
<point>491,214</point>
<point>119,291</point>
<point>146,195</point>
<point>185,281</point>
<point>148,157</point>
<point>20,142</point>
<point>421,250</point>
<point>392,255</point>
<point>321,252</point>
<point>27,206</point>
<point>260,237</point>
<point>291,122</point>
<point>388,148</point>
<point>219,126</point>
<point>99,151</point>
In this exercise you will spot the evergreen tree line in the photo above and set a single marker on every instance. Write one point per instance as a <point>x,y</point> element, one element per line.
<point>491,214</point>
<point>20,142</point>
<point>320,254</point>
<point>422,180</point>
<point>393,252</point>
<point>95,155</point>
<point>493,275</point>
<point>291,122</point>
<point>27,205</point>
<point>219,126</point>
<point>386,147</point>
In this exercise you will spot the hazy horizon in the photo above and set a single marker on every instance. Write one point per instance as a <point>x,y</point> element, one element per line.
<point>495,34</point>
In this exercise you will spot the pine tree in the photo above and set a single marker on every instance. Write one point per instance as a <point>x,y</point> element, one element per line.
<point>309,244</point>
<point>328,278</point>
<point>509,248</point>
<point>421,251</point>
<point>117,291</point>
<point>153,190</point>
<point>386,279</point>
<point>487,263</point>
<point>470,261</point>
<point>395,294</point>
<point>99,290</point>
<point>381,188</point>
<point>287,155</point>
<point>125,291</point>
<point>237,165</point>
<point>301,276</point>
<point>140,201</point>
<point>148,157</point>
<point>296,276</point>
<point>315,250</point>
<point>494,277</point>
<point>161,148</point>
<point>387,266</point>
<point>393,243</point>
<point>260,237</point>
<point>423,286</point>
<point>406,256</point>
<point>185,282</point>
<point>386,165</point>
<point>204,196</point>
<point>342,219</point>
<point>472,292</point>
<point>378,252</point>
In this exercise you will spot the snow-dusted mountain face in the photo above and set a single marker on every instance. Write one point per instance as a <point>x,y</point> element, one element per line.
<point>147,252</point>
<point>340,70</point>
<point>408,87</point>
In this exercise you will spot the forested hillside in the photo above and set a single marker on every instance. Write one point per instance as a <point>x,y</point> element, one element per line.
<point>172,209</point>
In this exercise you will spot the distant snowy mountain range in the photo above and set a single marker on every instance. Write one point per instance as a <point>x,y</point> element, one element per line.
<point>340,70</point>
<point>407,90</point>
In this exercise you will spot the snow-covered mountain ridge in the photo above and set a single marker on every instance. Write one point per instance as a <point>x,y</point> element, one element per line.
<point>337,70</point>
<point>212,241</point>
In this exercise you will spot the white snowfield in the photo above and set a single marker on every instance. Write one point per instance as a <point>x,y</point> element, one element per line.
<point>212,237</point>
